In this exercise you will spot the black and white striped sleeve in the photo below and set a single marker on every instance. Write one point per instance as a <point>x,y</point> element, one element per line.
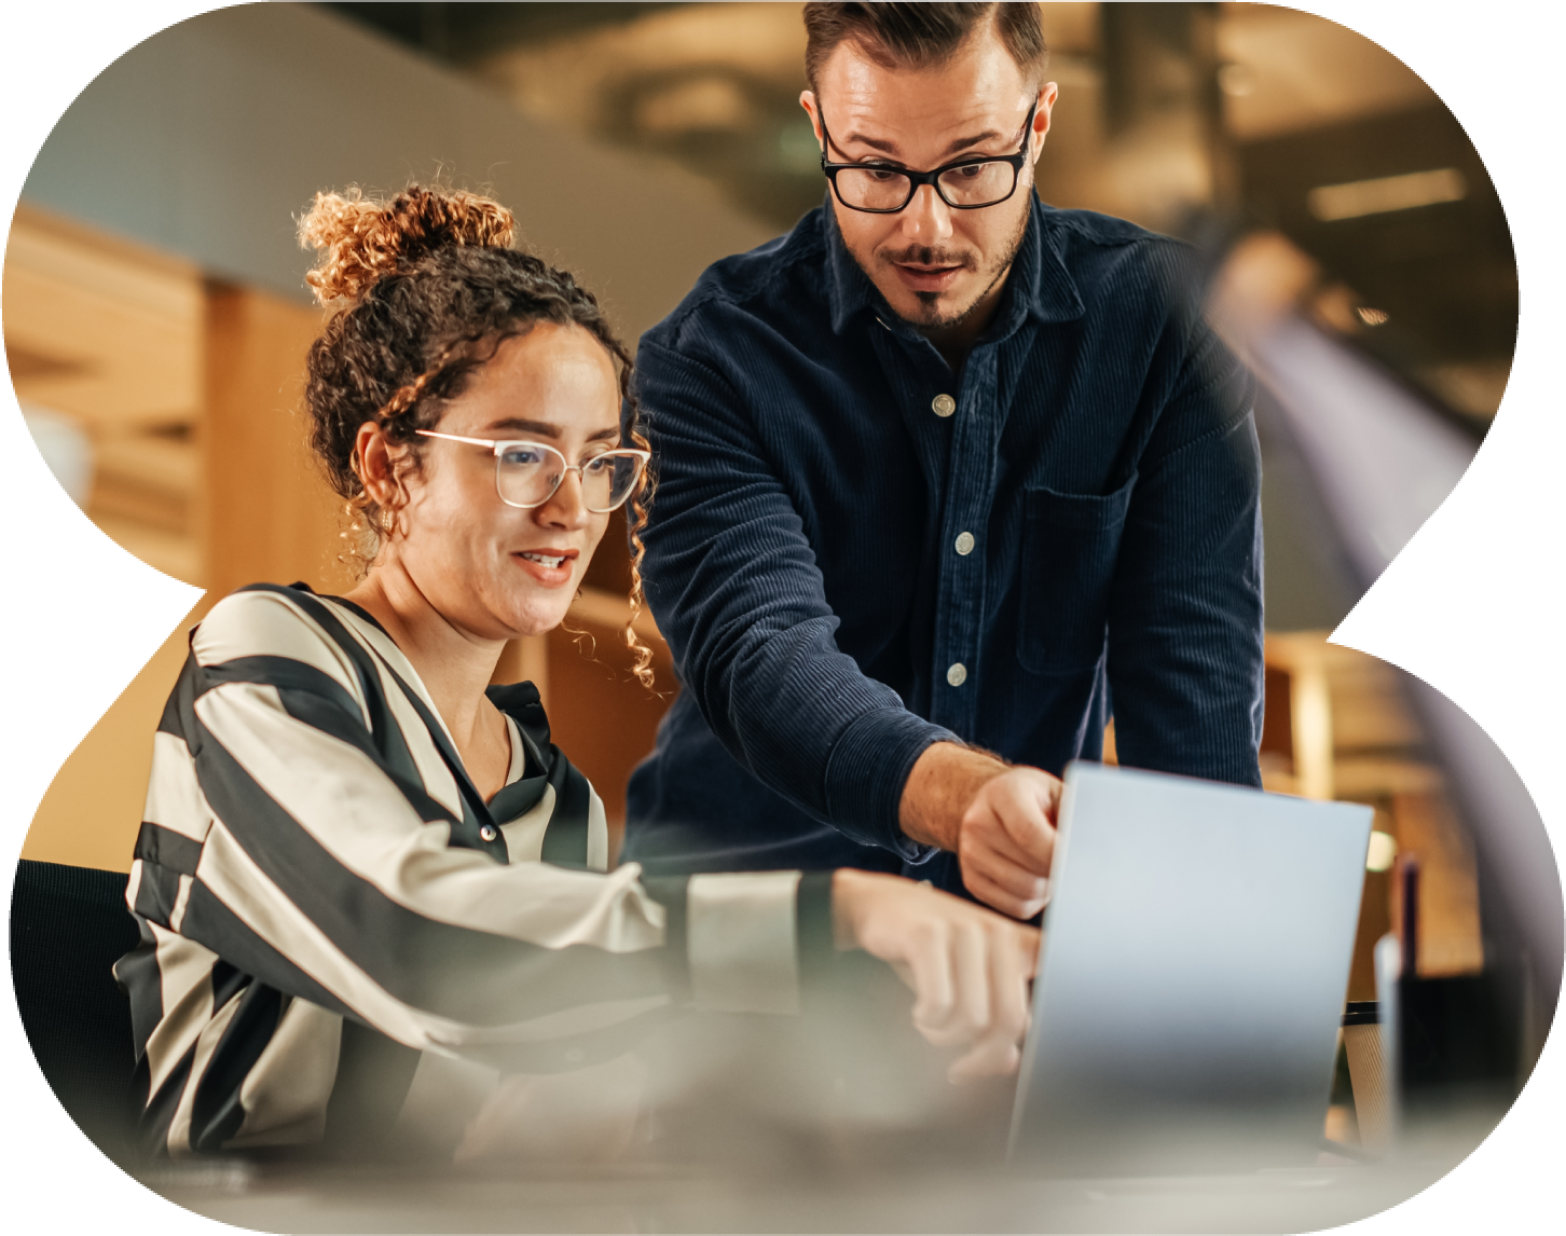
<point>299,825</point>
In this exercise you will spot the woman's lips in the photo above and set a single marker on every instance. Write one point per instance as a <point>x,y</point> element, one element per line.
<point>552,568</point>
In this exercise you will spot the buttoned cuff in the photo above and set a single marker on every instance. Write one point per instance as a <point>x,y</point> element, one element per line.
<point>746,942</point>
<point>866,774</point>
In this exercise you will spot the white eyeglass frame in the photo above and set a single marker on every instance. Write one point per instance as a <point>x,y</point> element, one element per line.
<point>499,447</point>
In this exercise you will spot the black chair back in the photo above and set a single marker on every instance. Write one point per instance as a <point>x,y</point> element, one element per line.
<point>69,925</point>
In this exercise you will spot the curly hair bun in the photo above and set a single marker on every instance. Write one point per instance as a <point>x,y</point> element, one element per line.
<point>363,240</point>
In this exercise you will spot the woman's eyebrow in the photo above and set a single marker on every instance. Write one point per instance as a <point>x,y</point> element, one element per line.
<point>540,429</point>
<point>544,429</point>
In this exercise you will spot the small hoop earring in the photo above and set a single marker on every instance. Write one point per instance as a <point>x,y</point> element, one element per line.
<point>385,521</point>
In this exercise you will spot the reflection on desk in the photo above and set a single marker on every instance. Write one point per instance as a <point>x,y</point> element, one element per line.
<point>831,1196</point>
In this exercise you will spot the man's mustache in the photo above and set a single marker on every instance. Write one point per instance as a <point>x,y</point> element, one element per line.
<point>924,255</point>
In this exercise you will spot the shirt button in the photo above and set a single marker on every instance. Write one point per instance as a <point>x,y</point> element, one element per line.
<point>943,405</point>
<point>965,543</point>
<point>488,832</point>
<point>958,674</point>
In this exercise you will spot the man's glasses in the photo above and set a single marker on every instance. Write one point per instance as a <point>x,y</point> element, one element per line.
<point>967,184</point>
<point>528,473</point>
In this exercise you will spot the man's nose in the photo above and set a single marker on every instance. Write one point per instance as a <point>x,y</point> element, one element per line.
<point>927,220</point>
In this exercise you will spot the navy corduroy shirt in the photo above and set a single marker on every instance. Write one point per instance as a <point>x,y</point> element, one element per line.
<point>855,552</point>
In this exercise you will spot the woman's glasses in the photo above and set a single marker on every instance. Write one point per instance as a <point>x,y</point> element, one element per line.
<point>528,473</point>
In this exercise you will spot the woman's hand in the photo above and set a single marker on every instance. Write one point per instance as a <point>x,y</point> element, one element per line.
<point>969,968</point>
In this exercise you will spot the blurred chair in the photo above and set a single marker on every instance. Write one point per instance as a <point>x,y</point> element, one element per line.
<point>69,925</point>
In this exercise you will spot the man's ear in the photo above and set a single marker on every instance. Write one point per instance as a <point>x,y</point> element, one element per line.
<point>1048,93</point>
<point>807,100</point>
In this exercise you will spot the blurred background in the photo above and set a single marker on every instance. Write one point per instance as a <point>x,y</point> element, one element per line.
<point>156,319</point>
<point>1260,113</point>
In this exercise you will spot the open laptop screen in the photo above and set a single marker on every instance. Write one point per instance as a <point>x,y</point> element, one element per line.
<point>1195,961</point>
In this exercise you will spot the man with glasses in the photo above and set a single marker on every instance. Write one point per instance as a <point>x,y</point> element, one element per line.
<point>943,475</point>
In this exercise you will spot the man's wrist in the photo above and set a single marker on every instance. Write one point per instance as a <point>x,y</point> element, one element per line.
<point>867,773</point>
<point>940,787</point>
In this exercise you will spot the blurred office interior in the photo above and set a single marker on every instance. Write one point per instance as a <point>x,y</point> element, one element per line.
<point>156,320</point>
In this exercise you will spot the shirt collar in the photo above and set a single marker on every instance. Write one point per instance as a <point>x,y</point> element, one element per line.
<point>1039,284</point>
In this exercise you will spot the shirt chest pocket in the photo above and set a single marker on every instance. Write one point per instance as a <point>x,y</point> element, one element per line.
<point>1070,545</point>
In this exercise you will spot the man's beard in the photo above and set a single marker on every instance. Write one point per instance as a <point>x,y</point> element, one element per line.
<point>931,316</point>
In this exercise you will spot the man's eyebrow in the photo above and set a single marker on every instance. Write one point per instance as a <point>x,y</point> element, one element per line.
<point>890,148</point>
<point>963,143</point>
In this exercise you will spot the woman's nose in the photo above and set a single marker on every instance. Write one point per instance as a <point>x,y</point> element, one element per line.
<point>566,507</point>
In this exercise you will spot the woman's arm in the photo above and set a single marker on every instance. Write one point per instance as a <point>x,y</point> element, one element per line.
<point>289,836</point>
<point>298,825</point>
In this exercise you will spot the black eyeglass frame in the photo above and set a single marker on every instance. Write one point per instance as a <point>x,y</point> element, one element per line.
<point>932,178</point>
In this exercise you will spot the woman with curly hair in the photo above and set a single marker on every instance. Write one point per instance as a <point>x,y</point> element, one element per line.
<point>366,877</point>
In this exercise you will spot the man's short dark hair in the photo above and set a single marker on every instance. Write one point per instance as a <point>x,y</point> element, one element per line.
<point>919,35</point>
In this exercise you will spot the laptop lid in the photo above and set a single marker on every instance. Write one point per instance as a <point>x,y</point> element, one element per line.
<point>1191,982</point>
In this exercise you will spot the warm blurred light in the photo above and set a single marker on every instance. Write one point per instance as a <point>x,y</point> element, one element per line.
<point>1380,454</point>
<point>1337,305</point>
<point>1372,317</point>
<point>1382,852</point>
<point>700,103</point>
<point>1236,80</point>
<point>1329,203</point>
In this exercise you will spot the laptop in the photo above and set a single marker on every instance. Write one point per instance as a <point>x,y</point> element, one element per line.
<point>1192,978</point>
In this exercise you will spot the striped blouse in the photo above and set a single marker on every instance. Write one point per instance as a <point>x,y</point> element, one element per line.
<point>336,926</point>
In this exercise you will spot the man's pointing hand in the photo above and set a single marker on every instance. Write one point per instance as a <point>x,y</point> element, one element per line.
<point>998,820</point>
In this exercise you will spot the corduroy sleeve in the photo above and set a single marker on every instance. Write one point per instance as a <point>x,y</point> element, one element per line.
<point>734,585</point>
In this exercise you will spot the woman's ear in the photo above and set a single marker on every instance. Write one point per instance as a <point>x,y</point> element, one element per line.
<point>369,460</point>
<point>378,464</point>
